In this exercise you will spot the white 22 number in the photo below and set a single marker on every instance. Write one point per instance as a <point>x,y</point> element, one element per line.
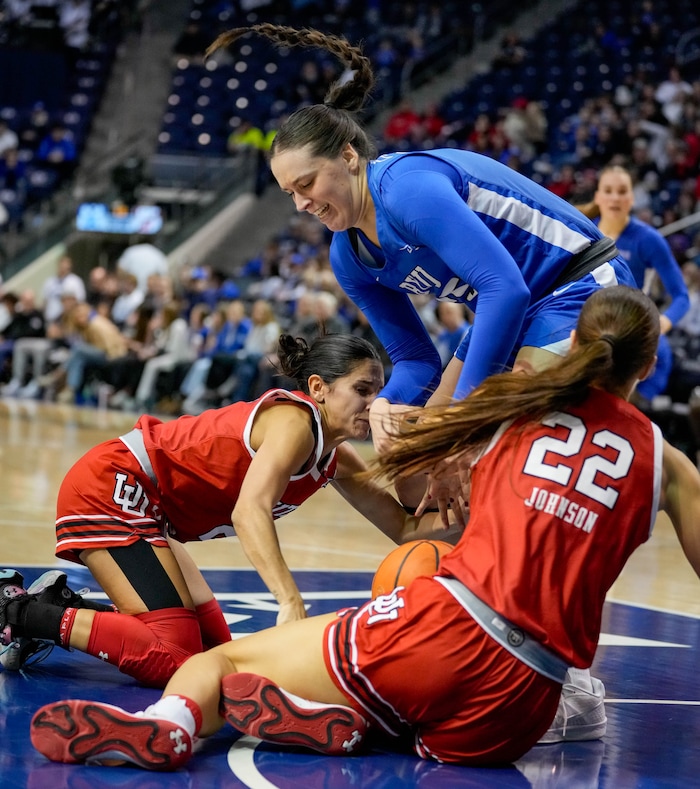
<point>571,446</point>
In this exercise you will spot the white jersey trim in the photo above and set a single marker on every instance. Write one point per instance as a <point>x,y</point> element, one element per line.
<point>531,220</point>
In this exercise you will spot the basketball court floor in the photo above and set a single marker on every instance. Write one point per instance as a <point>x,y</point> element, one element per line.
<point>648,657</point>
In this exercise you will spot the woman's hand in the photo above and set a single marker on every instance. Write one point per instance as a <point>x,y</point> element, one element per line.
<point>449,487</point>
<point>291,611</point>
<point>383,421</point>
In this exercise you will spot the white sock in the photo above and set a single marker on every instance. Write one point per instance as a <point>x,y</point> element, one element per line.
<point>580,678</point>
<point>173,709</point>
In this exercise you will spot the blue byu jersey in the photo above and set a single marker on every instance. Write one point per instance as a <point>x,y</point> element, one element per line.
<point>464,227</point>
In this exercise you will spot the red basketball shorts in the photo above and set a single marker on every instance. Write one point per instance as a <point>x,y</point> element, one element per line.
<point>416,664</point>
<point>106,500</point>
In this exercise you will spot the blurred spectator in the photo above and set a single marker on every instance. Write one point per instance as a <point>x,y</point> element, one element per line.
<point>671,93</point>
<point>192,42</point>
<point>401,123</point>
<point>36,128</point>
<point>55,288</point>
<point>8,138</point>
<point>690,322</point>
<point>74,20</point>
<point>143,259</point>
<point>259,343</point>
<point>364,330</point>
<point>249,137</point>
<point>432,121</point>
<point>171,346</point>
<point>432,22</point>
<point>511,52</point>
<point>57,151</point>
<point>309,84</point>
<point>31,356</point>
<point>26,320</point>
<point>14,185</point>
<point>525,126</point>
<point>563,181</point>
<point>130,298</point>
<point>328,319</point>
<point>226,337</point>
<point>97,277</point>
<point>94,340</point>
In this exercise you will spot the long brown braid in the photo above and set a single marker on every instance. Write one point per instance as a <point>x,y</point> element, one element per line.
<point>326,127</point>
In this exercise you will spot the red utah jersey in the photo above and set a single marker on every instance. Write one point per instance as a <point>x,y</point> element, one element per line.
<point>200,463</point>
<point>557,508</point>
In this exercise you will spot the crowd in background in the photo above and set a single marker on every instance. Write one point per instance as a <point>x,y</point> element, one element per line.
<point>143,337</point>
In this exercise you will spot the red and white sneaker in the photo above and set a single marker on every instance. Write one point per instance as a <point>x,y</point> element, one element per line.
<point>256,706</point>
<point>90,732</point>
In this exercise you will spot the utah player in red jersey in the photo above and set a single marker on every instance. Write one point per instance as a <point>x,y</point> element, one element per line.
<point>467,666</point>
<point>126,507</point>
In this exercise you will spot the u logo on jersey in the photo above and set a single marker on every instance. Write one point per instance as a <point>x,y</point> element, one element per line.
<point>130,498</point>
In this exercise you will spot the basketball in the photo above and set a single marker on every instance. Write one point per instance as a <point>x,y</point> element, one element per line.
<point>408,561</point>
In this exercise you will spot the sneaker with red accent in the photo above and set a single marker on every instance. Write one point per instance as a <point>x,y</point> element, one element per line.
<point>256,706</point>
<point>91,732</point>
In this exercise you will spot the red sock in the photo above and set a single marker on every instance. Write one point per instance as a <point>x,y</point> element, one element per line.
<point>195,709</point>
<point>212,624</point>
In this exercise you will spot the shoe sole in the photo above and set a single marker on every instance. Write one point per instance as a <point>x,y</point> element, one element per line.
<point>88,732</point>
<point>256,706</point>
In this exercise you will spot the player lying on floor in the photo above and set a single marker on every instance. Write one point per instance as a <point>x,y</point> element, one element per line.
<point>466,666</point>
<point>126,507</point>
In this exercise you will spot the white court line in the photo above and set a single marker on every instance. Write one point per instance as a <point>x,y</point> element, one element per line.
<point>241,761</point>
<point>668,702</point>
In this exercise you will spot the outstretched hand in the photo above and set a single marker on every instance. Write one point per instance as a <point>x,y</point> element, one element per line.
<point>449,486</point>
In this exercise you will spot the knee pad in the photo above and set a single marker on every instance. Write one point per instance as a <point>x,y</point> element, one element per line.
<point>149,647</point>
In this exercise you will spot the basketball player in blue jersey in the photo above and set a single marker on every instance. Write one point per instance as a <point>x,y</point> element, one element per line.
<point>644,248</point>
<point>450,223</point>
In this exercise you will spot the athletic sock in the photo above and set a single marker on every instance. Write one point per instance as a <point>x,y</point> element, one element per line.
<point>580,678</point>
<point>179,710</point>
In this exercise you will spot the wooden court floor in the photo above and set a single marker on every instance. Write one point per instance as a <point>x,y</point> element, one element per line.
<point>648,655</point>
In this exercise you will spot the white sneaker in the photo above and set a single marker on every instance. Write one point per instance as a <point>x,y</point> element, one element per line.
<point>12,388</point>
<point>580,715</point>
<point>31,391</point>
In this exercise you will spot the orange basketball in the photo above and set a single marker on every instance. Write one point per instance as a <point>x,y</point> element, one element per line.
<point>408,561</point>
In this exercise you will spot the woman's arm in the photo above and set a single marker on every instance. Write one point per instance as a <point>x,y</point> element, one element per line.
<point>428,209</point>
<point>680,498</point>
<point>283,441</point>
<point>379,506</point>
<point>657,255</point>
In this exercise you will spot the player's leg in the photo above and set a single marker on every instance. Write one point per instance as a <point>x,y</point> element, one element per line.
<point>211,620</point>
<point>244,680</point>
<point>154,630</point>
